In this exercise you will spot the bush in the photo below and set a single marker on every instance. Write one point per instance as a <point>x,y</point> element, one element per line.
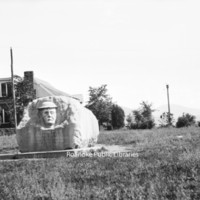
<point>117,115</point>
<point>7,131</point>
<point>143,125</point>
<point>142,118</point>
<point>166,120</point>
<point>185,120</point>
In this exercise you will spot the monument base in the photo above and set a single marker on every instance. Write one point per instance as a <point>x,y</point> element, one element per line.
<point>49,154</point>
<point>31,139</point>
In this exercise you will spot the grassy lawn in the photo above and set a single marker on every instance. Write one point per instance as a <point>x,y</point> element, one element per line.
<point>168,167</point>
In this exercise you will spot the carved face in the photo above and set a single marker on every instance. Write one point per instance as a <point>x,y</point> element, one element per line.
<point>49,116</point>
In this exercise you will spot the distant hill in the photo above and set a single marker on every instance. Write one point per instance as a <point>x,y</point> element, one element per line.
<point>127,111</point>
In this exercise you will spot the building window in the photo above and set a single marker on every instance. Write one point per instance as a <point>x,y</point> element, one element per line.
<point>5,90</point>
<point>4,116</point>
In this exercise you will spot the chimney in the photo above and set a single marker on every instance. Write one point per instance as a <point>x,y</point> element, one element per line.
<point>29,85</point>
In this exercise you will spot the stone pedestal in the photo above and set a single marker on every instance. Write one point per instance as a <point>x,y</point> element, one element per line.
<point>33,138</point>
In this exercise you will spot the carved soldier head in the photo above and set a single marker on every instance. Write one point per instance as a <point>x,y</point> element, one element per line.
<point>47,111</point>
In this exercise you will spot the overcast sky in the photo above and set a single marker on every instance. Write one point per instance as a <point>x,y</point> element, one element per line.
<point>135,47</point>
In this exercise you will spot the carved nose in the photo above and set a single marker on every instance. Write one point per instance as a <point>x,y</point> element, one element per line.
<point>48,114</point>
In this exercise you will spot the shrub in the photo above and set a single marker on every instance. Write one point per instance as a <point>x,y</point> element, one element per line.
<point>185,120</point>
<point>143,118</point>
<point>117,115</point>
<point>166,120</point>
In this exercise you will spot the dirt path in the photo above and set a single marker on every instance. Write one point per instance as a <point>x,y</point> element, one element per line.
<point>116,148</point>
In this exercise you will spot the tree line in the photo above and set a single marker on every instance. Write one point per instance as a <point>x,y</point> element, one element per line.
<point>112,116</point>
<point>109,114</point>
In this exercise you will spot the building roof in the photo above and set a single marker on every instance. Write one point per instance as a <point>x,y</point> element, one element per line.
<point>44,89</point>
<point>5,79</point>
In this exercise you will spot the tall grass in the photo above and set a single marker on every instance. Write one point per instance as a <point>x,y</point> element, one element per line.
<point>168,167</point>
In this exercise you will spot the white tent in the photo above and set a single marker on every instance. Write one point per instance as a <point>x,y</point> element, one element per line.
<point>44,89</point>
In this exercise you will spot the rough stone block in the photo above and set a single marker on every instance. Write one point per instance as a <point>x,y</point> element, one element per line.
<point>74,126</point>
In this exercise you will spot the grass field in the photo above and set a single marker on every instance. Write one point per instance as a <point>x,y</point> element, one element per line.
<point>168,167</point>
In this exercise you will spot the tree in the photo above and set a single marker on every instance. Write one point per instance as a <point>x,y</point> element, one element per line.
<point>21,98</point>
<point>129,120</point>
<point>164,119</point>
<point>18,81</point>
<point>100,103</point>
<point>143,118</point>
<point>138,118</point>
<point>186,120</point>
<point>117,115</point>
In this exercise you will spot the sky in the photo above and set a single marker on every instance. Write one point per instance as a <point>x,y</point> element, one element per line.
<point>136,47</point>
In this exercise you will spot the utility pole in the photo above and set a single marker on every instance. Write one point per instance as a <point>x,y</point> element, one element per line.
<point>13,90</point>
<point>169,114</point>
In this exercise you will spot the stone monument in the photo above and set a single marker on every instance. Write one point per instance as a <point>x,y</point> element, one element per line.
<point>56,123</point>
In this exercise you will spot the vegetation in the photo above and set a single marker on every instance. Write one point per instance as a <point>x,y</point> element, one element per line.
<point>8,144</point>
<point>166,119</point>
<point>117,115</point>
<point>22,95</point>
<point>167,168</point>
<point>7,131</point>
<point>142,118</point>
<point>185,120</point>
<point>100,103</point>
<point>21,99</point>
